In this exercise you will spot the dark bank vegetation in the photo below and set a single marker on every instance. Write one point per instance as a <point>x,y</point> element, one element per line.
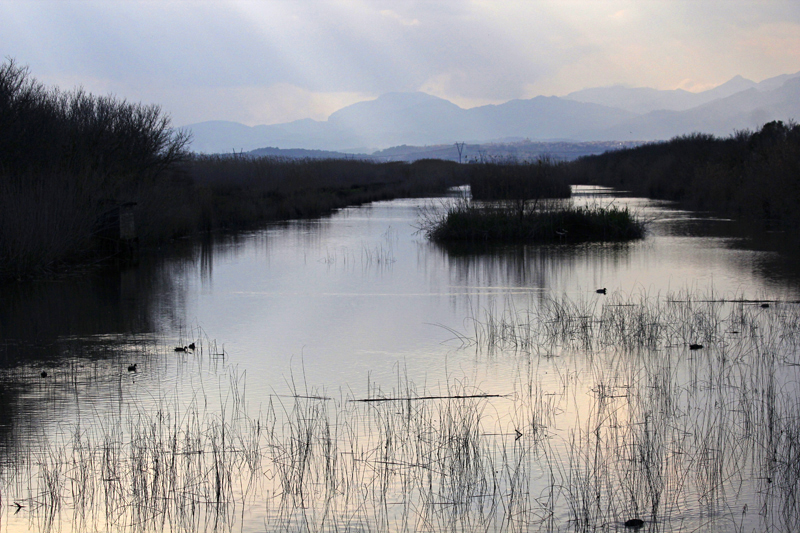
<point>71,162</point>
<point>751,175</point>
<point>512,179</point>
<point>236,191</point>
<point>69,159</point>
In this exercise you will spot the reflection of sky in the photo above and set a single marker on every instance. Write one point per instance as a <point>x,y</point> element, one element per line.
<point>332,305</point>
<point>360,292</point>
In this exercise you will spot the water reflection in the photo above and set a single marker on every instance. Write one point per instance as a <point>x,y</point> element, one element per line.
<point>533,267</point>
<point>34,317</point>
<point>337,304</point>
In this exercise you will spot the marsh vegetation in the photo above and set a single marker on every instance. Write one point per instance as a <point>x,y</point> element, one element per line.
<point>751,175</point>
<point>535,222</point>
<point>534,406</point>
<point>73,165</point>
<point>633,424</point>
<point>509,178</point>
<point>524,202</point>
<point>630,424</point>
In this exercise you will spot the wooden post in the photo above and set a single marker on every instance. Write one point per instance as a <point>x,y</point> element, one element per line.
<point>127,225</point>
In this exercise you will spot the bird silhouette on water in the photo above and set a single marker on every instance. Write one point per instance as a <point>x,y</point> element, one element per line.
<point>43,374</point>
<point>132,368</point>
<point>695,346</point>
<point>601,291</point>
<point>189,348</point>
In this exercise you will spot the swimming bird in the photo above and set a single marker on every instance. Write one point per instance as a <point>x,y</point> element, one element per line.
<point>764,306</point>
<point>43,374</point>
<point>634,522</point>
<point>601,291</point>
<point>695,346</point>
<point>132,368</point>
<point>181,348</point>
<point>191,347</point>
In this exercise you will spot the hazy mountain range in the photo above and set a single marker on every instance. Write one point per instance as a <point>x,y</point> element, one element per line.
<point>616,113</point>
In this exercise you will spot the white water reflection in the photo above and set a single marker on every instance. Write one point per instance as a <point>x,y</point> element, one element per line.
<point>363,290</point>
<point>360,300</point>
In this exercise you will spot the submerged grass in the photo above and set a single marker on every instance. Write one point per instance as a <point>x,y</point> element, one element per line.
<point>610,417</point>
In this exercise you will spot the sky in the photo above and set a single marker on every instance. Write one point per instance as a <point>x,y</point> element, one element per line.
<point>273,61</point>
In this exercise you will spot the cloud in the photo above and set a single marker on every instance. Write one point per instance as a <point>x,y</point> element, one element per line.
<point>404,21</point>
<point>278,59</point>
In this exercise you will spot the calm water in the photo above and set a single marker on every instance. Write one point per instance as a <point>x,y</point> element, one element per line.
<point>345,307</point>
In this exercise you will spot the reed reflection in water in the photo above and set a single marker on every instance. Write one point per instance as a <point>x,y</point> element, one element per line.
<point>506,394</point>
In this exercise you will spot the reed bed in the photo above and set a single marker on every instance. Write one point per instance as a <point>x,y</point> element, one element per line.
<point>534,221</point>
<point>513,179</point>
<point>749,175</point>
<point>612,414</point>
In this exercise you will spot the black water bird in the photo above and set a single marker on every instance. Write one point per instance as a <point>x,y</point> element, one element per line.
<point>634,523</point>
<point>191,347</point>
<point>764,306</point>
<point>132,368</point>
<point>43,374</point>
<point>695,346</point>
<point>601,291</point>
<point>181,348</point>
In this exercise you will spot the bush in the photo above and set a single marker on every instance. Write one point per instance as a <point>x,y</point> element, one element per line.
<point>66,158</point>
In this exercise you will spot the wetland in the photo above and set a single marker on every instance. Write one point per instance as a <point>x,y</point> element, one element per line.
<point>348,374</point>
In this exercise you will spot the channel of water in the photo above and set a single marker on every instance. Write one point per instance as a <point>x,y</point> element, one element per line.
<point>539,414</point>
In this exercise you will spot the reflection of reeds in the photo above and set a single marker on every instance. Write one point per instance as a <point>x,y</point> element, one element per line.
<point>610,417</point>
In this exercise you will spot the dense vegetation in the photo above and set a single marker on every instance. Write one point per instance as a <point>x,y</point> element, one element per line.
<point>235,192</point>
<point>70,160</point>
<point>512,179</point>
<point>751,176</point>
<point>66,160</point>
<point>477,222</point>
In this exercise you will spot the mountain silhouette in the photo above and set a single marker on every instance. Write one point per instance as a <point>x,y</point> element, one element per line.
<point>614,113</point>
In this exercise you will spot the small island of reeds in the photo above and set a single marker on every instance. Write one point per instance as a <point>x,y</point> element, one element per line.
<point>517,201</point>
<point>470,221</point>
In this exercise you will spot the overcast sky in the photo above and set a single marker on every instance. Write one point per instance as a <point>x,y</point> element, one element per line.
<point>270,61</point>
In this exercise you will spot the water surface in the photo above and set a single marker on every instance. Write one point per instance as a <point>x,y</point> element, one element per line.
<point>358,305</point>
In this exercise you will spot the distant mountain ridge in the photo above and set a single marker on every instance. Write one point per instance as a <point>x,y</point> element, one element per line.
<point>645,100</point>
<point>615,113</point>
